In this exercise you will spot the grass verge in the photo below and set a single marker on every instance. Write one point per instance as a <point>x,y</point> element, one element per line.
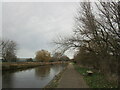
<point>97,80</point>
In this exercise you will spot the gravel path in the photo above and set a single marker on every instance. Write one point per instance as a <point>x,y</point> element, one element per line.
<point>72,79</point>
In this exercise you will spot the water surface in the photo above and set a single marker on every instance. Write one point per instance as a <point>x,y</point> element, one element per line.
<point>32,78</point>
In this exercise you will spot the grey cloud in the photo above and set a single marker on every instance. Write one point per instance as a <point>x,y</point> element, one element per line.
<point>34,25</point>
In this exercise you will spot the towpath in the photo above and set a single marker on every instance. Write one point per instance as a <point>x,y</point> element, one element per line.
<point>72,79</point>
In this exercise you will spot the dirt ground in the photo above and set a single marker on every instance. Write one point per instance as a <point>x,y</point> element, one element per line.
<point>72,79</point>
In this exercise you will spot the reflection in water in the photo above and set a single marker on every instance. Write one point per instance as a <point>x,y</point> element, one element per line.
<point>8,81</point>
<point>56,69</point>
<point>42,72</point>
<point>32,78</point>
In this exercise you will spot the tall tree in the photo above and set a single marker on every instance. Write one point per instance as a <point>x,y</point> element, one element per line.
<point>97,34</point>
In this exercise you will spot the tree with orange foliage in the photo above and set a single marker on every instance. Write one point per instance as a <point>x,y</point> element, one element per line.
<point>43,56</point>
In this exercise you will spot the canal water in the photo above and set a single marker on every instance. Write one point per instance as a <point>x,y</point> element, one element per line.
<point>37,77</point>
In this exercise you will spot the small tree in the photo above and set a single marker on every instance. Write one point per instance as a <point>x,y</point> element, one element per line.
<point>43,56</point>
<point>9,49</point>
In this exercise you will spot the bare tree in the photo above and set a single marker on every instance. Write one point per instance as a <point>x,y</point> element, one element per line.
<point>9,49</point>
<point>98,31</point>
<point>109,25</point>
<point>56,56</point>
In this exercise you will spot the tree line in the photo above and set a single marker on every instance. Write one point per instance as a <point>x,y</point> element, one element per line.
<point>45,56</point>
<point>8,50</point>
<point>96,37</point>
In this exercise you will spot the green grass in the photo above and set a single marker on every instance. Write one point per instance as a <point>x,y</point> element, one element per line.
<point>97,80</point>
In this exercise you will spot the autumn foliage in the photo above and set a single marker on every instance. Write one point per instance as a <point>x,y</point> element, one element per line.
<point>43,56</point>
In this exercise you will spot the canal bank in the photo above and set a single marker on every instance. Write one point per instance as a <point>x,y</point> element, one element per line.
<point>68,78</point>
<point>55,81</point>
<point>13,66</point>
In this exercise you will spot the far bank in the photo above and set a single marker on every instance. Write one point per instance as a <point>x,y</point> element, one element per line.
<point>24,65</point>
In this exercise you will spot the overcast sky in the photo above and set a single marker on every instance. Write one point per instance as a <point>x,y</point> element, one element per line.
<point>34,25</point>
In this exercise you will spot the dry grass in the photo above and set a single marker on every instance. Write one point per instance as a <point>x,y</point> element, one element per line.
<point>24,65</point>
